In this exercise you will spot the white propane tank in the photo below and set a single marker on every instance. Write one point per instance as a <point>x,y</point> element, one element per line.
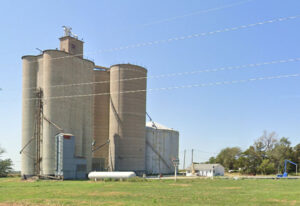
<point>112,175</point>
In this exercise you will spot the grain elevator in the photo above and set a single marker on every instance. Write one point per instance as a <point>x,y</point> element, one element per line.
<point>103,109</point>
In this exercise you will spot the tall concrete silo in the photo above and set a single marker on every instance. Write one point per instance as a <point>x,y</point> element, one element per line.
<point>127,117</point>
<point>62,107</point>
<point>162,145</point>
<point>30,68</point>
<point>101,119</point>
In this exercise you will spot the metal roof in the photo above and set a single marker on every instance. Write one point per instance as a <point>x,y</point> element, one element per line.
<point>198,166</point>
<point>156,125</point>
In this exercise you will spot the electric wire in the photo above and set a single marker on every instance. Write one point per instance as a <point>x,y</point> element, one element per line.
<point>197,35</point>
<point>228,68</point>
<point>195,13</point>
<point>175,87</point>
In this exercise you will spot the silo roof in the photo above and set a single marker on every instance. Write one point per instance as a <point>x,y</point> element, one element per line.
<point>156,125</point>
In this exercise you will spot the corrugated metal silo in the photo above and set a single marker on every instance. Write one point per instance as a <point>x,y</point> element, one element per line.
<point>29,111</point>
<point>127,118</point>
<point>162,145</point>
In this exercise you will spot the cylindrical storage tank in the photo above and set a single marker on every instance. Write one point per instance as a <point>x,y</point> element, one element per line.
<point>101,120</point>
<point>70,107</point>
<point>162,146</point>
<point>112,175</point>
<point>28,154</point>
<point>50,79</point>
<point>127,118</point>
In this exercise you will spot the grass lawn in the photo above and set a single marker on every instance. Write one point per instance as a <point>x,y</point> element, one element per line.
<point>151,192</point>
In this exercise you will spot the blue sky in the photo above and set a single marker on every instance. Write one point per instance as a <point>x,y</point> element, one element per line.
<point>208,118</point>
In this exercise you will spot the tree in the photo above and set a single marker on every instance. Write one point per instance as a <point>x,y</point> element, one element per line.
<point>5,165</point>
<point>249,161</point>
<point>296,154</point>
<point>265,156</point>
<point>281,151</point>
<point>228,157</point>
<point>265,144</point>
<point>267,141</point>
<point>266,167</point>
<point>260,157</point>
<point>212,160</point>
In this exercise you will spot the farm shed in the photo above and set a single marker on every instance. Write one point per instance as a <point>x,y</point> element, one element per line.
<point>205,170</point>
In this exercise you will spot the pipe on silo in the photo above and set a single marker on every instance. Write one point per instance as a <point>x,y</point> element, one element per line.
<point>28,154</point>
<point>127,118</point>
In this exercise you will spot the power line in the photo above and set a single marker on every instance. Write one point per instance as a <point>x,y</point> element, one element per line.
<point>197,35</point>
<point>228,68</point>
<point>196,13</point>
<point>177,87</point>
<point>150,43</point>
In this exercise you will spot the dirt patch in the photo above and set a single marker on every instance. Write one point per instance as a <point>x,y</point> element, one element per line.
<point>181,185</point>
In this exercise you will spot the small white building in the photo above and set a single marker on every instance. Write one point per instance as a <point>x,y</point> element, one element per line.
<point>205,170</point>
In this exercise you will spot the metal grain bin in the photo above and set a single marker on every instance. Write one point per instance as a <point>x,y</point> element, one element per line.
<point>162,145</point>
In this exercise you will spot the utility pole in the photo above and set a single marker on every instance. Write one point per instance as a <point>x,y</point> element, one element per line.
<point>192,156</point>
<point>193,170</point>
<point>184,159</point>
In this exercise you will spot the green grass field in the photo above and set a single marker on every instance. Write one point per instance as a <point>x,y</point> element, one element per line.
<point>151,192</point>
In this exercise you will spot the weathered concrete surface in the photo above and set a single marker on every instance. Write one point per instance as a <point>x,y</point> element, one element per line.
<point>127,118</point>
<point>101,119</point>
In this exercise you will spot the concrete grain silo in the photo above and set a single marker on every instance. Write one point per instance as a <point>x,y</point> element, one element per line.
<point>101,119</point>
<point>30,67</point>
<point>162,145</point>
<point>127,118</point>
<point>68,104</point>
<point>104,110</point>
<point>72,114</point>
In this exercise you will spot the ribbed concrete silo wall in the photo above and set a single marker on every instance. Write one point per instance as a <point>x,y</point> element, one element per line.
<point>64,106</point>
<point>127,118</point>
<point>161,147</point>
<point>30,67</point>
<point>101,119</point>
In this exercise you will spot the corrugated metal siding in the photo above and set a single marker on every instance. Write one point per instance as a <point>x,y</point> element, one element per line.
<point>67,164</point>
<point>162,146</point>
